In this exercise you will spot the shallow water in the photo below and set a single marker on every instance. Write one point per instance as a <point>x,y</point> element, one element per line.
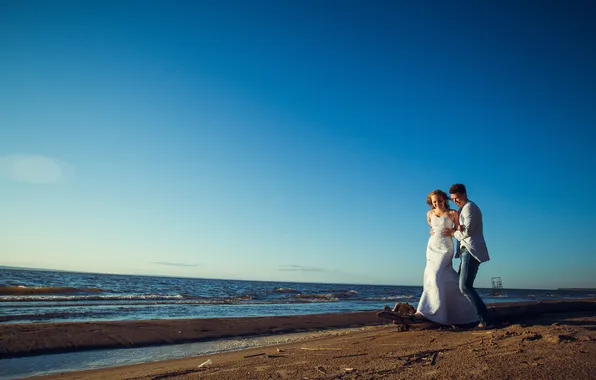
<point>94,359</point>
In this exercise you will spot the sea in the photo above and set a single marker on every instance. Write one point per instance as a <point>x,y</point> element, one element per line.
<point>29,295</point>
<point>36,296</point>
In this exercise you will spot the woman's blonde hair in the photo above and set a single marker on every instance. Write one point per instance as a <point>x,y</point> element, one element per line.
<point>439,193</point>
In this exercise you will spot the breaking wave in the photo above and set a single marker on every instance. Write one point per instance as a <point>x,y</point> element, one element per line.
<point>24,290</point>
<point>88,298</point>
<point>286,290</point>
<point>316,298</point>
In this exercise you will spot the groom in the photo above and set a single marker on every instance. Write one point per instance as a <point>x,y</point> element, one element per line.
<point>471,247</point>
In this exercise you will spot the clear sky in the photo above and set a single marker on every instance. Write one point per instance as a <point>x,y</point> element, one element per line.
<point>296,140</point>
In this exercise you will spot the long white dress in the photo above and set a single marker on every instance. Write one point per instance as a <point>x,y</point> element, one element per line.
<point>441,300</point>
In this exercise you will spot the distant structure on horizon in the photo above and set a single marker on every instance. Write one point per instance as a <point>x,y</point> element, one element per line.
<point>497,286</point>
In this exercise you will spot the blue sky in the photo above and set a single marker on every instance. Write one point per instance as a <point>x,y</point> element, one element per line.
<point>295,140</point>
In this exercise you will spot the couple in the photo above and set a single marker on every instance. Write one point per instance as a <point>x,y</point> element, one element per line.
<point>449,298</point>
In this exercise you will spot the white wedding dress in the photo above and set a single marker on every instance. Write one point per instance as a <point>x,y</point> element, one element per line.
<point>441,300</point>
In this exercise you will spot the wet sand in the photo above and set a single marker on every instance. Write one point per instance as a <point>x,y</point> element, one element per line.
<point>553,339</point>
<point>25,339</point>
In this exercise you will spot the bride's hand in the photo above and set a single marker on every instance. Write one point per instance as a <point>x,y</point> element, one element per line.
<point>448,232</point>
<point>432,232</point>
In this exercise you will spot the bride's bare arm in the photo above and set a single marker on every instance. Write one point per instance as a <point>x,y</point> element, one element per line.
<point>428,215</point>
<point>454,216</point>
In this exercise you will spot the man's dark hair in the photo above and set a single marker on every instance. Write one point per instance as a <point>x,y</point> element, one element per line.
<point>458,188</point>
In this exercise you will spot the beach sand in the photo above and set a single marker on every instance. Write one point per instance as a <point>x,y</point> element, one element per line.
<point>535,340</point>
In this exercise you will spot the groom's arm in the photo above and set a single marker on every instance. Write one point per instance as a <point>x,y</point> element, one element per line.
<point>470,217</point>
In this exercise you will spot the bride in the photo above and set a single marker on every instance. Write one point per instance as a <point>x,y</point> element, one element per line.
<point>441,301</point>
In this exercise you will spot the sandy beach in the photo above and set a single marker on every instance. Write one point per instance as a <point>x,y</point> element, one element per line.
<point>554,339</point>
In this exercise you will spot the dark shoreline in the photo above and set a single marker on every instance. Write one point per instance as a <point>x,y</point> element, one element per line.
<point>25,339</point>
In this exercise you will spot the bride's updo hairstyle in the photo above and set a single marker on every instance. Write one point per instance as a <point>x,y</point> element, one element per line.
<point>441,194</point>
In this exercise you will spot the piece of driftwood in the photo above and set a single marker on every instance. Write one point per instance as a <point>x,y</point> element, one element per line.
<point>434,359</point>
<point>410,322</point>
<point>254,355</point>
<point>348,356</point>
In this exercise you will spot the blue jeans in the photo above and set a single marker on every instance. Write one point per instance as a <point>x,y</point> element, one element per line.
<point>468,268</point>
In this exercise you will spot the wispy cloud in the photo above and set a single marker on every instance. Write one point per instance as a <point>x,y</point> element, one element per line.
<point>36,169</point>
<point>174,264</point>
<point>300,268</point>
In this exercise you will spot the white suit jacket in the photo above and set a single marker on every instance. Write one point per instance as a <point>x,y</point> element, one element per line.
<point>471,237</point>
